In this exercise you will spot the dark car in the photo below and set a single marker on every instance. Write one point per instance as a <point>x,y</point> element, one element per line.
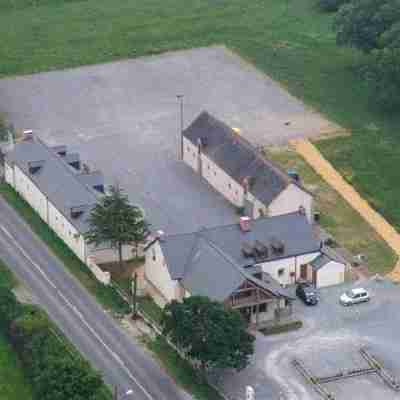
<point>307,292</point>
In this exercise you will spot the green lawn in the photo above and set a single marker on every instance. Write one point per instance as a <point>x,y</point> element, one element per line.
<point>13,384</point>
<point>292,41</point>
<point>347,227</point>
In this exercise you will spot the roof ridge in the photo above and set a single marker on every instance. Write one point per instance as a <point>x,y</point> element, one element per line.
<point>213,228</point>
<point>191,254</point>
<point>223,254</point>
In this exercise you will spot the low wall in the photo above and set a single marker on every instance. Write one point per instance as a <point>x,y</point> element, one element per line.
<point>103,276</point>
<point>111,255</point>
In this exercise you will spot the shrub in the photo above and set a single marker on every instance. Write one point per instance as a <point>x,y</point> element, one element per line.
<point>331,5</point>
<point>282,328</point>
<point>9,308</point>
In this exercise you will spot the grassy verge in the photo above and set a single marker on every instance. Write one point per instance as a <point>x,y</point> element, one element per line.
<point>14,385</point>
<point>281,328</point>
<point>338,217</point>
<point>106,295</point>
<point>182,372</point>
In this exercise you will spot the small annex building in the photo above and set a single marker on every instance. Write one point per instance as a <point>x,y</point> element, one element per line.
<point>237,170</point>
<point>327,269</point>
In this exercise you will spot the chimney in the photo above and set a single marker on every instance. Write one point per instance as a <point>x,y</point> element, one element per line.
<point>244,223</point>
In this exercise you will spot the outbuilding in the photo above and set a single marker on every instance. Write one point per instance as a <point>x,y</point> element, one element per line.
<point>328,269</point>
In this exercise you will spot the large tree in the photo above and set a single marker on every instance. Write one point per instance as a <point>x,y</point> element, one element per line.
<point>209,333</point>
<point>116,221</point>
<point>368,24</point>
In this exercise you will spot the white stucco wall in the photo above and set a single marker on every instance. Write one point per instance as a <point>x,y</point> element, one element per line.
<point>156,272</point>
<point>331,274</point>
<point>222,182</point>
<point>288,265</point>
<point>9,174</point>
<point>69,234</point>
<point>29,191</point>
<point>190,154</point>
<point>290,200</point>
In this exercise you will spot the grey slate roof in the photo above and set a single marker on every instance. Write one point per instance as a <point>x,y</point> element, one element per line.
<point>210,262</point>
<point>55,179</point>
<point>325,258</point>
<point>237,157</point>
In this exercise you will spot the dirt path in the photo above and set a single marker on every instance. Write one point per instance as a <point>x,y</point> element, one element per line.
<point>310,153</point>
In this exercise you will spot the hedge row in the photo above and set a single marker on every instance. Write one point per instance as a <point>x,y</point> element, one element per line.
<point>282,328</point>
<point>56,372</point>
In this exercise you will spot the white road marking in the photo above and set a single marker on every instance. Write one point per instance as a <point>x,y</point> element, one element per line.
<point>26,255</point>
<point>78,313</point>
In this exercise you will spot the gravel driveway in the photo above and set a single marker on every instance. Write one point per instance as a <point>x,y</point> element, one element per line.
<point>328,342</point>
<point>123,118</point>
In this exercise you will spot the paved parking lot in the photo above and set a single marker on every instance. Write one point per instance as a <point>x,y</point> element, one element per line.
<point>123,117</point>
<point>328,342</point>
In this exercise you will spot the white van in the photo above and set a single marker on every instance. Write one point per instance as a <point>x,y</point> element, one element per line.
<point>354,296</point>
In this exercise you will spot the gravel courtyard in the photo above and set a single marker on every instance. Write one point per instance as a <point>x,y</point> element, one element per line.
<point>329,342</point>
<point>123,118</point>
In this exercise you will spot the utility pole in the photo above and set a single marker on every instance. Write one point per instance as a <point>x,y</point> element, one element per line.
<point>134,295</point>
<point>180,100</point>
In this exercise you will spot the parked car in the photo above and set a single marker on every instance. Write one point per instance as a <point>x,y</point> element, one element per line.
<point>354,296</point>
<point>307,292</point>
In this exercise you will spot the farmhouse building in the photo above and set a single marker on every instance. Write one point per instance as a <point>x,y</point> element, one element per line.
<point>61,190</point>
<point>233,167</point>
<point>244,265</point>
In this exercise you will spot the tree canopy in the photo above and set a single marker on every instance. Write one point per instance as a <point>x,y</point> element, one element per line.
<point>115,221</point>
<point>369,24</point>
<point>210,333</point>
<point>373,26</point>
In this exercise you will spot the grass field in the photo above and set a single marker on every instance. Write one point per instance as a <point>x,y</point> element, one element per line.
<point>292,41</point>
<point>347,227</point>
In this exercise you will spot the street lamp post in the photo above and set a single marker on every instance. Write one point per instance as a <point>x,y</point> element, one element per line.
<point>180,100</point>
<point>127,393</point>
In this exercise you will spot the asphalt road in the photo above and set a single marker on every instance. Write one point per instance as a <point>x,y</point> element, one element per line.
<point>90,329</point>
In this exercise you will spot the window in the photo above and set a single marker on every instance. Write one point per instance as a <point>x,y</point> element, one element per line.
<point>230,186</point>
<point>187,148</point>
<point>281,271</point>
<point>263,307</point>
<point>194,154</point>
<point>208,166</point>
<point>215,174</point>
<point>153,253</point>
<point>236,192</point>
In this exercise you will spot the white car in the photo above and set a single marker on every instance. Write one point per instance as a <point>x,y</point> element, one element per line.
<point>354,296</point>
